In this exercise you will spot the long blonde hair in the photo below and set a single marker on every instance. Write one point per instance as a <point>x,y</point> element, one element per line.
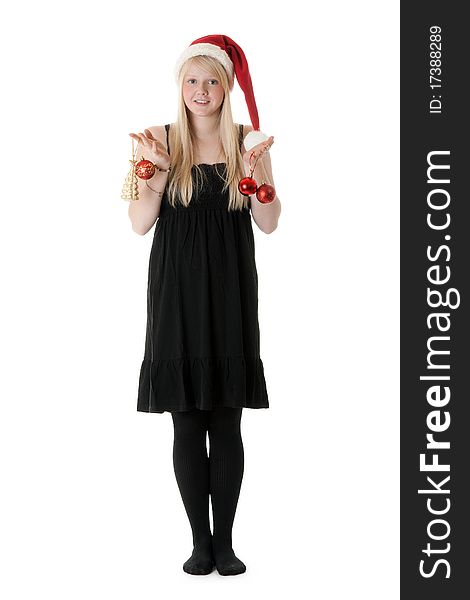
<point>180,181</point>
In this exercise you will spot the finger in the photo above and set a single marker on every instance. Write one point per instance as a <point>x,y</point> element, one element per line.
<point>156,145</point>
<point>149,134</point>
<point>147,142</point>
<point>137,137</point>
<point>149,137</point>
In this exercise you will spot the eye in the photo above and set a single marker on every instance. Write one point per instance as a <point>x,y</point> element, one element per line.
<point>213,81</point>
<point>191,80</point>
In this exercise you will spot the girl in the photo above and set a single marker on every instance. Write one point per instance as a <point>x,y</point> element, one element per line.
<point>202,351</point>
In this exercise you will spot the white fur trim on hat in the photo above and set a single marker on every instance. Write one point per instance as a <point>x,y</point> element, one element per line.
<point>205,50</point>
<point>253,138</point>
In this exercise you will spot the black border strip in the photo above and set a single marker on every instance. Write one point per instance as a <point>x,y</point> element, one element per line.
<point>435,248</point>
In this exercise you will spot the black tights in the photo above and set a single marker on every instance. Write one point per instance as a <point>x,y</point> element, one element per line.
<point>220,474</point>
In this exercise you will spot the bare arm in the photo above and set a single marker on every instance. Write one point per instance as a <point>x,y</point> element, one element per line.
<point>144,212</point>
<point>266,216</point>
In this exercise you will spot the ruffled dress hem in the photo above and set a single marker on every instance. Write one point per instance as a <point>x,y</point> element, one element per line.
<point>180,384</point>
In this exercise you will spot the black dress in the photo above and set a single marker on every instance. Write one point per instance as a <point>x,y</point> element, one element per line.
<point>202,346</point>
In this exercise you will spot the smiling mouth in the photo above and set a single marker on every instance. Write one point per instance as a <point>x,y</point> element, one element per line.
<point>201,101</point>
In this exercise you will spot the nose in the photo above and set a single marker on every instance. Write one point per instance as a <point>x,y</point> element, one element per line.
<point>202,88</point>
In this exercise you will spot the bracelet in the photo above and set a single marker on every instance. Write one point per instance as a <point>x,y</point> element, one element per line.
<point>151,188</point>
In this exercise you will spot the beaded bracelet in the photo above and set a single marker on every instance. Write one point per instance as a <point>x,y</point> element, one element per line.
<point>151,188</point>
<point>163,170</point>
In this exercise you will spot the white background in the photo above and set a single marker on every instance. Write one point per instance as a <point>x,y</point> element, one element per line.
<point>90,507</point>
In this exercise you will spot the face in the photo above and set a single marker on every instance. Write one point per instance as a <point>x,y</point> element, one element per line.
<point>203,93</point>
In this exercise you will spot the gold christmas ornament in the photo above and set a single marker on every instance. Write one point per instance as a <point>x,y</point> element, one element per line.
<point>130,189</point>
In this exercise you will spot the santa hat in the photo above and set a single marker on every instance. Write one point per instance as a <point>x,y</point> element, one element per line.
<point>233,59</point>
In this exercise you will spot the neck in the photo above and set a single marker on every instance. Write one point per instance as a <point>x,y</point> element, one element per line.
<point>204,128</point>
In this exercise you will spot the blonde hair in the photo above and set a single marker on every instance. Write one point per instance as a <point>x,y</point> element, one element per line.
<point>180,181</point>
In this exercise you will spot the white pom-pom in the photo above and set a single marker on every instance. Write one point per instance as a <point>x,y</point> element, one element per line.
<point>253,138</point>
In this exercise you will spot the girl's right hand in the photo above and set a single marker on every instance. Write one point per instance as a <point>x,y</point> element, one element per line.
<point>152,149</point>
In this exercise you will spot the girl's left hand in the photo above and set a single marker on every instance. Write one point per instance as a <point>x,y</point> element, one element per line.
<point>258,151</point>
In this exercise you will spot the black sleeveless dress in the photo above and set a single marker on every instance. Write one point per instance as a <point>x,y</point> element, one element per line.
<point>202,346</point>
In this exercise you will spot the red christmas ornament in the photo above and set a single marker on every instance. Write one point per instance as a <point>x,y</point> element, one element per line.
<point>247,186</point>
<point>145,169</point>
<point>266,193</point>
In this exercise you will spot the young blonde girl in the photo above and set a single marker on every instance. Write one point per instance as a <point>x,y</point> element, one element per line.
<point>202,351</point>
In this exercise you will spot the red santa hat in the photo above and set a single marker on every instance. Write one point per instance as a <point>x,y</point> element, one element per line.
<point>233,59</point>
